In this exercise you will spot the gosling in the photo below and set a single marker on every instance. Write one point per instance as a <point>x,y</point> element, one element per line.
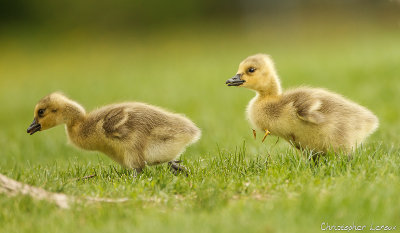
<point>133,134</point>
<point>308,118</point>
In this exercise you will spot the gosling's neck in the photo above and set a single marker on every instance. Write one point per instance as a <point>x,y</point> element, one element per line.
<point>73,114</point>
<point>271,89</point>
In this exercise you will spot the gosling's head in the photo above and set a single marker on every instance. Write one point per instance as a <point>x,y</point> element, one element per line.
<point>258,73</point>
<point>49,112</point>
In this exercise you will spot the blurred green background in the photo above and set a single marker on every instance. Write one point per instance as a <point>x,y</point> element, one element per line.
<point>178,55</point>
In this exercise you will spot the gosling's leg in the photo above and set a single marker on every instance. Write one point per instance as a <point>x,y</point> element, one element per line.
<point>176,168</point>
<point>254,134</point>
<point>266,134</point>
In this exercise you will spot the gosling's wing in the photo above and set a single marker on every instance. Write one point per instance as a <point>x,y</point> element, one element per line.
<point>306,104</point>
<point>124,120</point>
<point>116,123</point>
<point>309,111</point>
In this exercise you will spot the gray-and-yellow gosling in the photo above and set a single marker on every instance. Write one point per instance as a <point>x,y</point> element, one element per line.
<point>133,134</point>
<point>308,118</point>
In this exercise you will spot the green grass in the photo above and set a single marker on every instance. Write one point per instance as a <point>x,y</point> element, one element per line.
<point>236,184</point>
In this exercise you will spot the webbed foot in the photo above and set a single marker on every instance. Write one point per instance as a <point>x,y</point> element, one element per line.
<point>176,168</point>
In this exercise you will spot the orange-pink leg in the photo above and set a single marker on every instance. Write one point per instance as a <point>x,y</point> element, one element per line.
<point>266,134</point>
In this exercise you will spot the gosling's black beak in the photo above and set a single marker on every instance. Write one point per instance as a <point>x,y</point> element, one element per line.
<point>235,81</point>
<point>34,127</point>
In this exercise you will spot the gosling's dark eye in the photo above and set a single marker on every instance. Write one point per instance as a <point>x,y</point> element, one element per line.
<point>40,112</point>
<point>251,69</point>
